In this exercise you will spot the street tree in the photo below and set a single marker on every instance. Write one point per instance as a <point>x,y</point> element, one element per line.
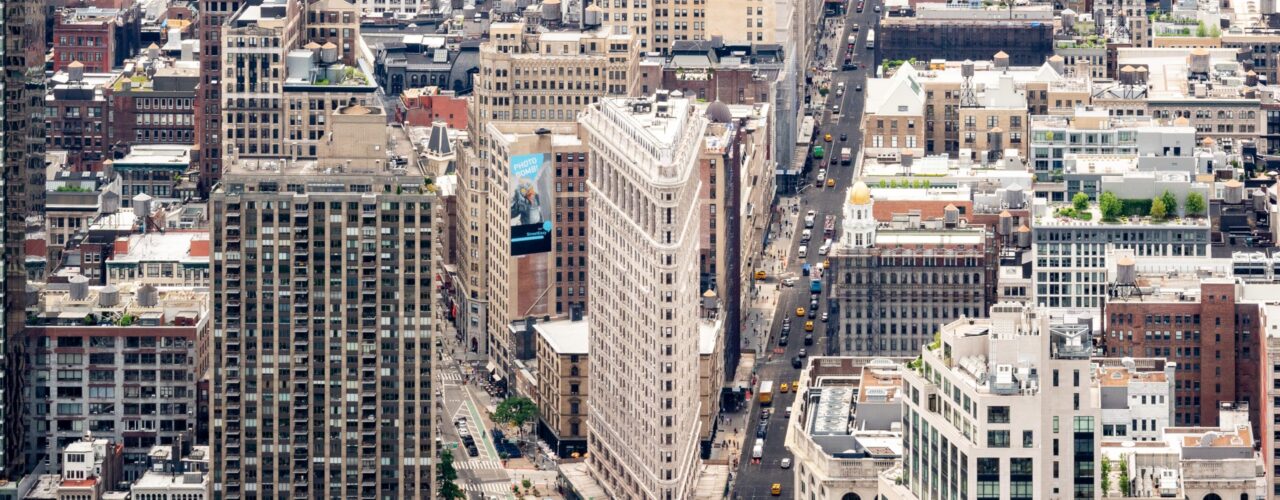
<point>516,411</point>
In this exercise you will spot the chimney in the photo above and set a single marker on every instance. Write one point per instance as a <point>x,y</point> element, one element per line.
<point>121,246</point>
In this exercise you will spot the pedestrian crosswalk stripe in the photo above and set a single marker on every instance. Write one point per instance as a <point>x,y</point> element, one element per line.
<point>500,487</point>
<point>478,464</point>
<point>451,376</point>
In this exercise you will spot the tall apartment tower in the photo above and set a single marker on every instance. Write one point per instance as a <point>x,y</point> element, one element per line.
<point>643,254</point>
<point>528,79</point>
<point>22,157</point>
<point>322,338</point>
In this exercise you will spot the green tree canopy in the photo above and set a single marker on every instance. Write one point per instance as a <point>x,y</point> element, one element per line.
<point>1110,205</point>
<point>446,474</point>
<point>1080,201</point>
<point>516,411</point>
<point>1157,209</point>
<point>1195,204</point>
<point>1170,202</point>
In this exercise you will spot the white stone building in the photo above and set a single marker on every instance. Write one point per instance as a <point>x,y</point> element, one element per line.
<point>1000,408</point>
<point>846,427</point>
<point>643,205</point>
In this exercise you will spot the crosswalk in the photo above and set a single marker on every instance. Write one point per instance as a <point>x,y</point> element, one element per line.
<point>478,464</point>
<point>496,488</point>
<point>450,376</point>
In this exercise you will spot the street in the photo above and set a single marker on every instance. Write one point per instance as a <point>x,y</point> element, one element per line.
<point>755,480</point>
<point>483,476</point>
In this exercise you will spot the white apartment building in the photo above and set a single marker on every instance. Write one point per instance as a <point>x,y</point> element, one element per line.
<point>1000,409</point>
<point>643,259</point>
<point>1137,404</point>
<point>1069,265</point>
<point>845,427</point>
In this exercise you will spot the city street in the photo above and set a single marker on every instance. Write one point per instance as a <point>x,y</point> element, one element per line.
<point>775,362</point>
<point>482,476</point>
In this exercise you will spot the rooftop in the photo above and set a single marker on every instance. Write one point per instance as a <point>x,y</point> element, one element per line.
<point>156,155</point>
<point>163,247</point>
<point>565,336</point>
<point>1119,376</point>
<point>153,481</point>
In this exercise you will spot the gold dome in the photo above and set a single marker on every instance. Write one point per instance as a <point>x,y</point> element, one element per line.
<point>860,194</point>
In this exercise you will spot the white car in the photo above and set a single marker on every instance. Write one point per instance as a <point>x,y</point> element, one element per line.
<point>822,250</point>
<point>804,252</point>
<point>789,282</point>
<point>835,109</point>
<point>785,463</point>
<point>806,235</point>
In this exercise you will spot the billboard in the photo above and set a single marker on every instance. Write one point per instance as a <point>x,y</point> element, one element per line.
<point>530,204</point>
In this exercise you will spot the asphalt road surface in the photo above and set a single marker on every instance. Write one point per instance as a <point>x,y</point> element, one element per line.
<point>755,480</point>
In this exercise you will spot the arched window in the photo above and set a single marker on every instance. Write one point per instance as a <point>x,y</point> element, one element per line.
<point>850,496</point>
<point>1212,496</point>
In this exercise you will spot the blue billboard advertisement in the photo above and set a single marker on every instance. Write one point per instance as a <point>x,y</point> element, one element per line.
<point>530,204</point>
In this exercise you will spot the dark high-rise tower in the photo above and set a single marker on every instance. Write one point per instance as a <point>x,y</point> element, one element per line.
<point>22,157</point>
<point>213,14</point>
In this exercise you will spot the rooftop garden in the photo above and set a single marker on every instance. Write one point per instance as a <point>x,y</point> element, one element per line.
<point>905,183</point>
<point>67,188</point>
<point>138,81</point>
<point>1113,209</point>
<point>893,64</point>
<point>350,76</point>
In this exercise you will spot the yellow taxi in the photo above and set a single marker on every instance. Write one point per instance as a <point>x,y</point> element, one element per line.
<point>827,137</point>
<point>783,387</point>
<point>831,182</point>
<point>826,264</point>
<point>760,275</point>
<point>800,312</point>
<point>808,326</point>
<point>776,489</point>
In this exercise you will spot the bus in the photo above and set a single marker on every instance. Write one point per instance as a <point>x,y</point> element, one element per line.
<point>871,39</point>
<point>766,392</point>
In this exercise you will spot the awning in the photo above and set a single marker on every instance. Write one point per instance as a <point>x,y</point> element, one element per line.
<point>497,377</point>
<point>489,366</point>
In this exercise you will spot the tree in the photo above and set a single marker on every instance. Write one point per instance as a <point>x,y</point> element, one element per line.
<point>1202,30</point>
<point>446,474</point>
<point>1170,202</point>
<point>1157,209</point>
<point>516,412</point>
<point>1080,201</point>
<point>1106,476</point>
<point>1195,204</point>
<point>1110,205</point>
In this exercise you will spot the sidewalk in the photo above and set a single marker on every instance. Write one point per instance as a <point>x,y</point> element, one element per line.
<point>764,303</point>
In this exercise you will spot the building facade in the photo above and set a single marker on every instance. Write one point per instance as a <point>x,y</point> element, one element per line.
<point>22,158</point>
<point>329,272</point>
<point>115,361</point>
<point>893,284</point>
<point>1001,408</point>
<point>1205,326</point>
<point>643,200</point>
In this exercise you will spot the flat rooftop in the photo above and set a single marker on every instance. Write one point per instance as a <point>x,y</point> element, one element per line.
<point>565,336</point>
<point>943,237</point>
<point>1119,376</point>
<point>167,246</point>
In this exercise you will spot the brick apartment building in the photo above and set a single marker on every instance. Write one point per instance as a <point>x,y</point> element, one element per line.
<point>76,111</point>
<point>152,107</point>
<point>100,38</point>
<point>1202,325</point>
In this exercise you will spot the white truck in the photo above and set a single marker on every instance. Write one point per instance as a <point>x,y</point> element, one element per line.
<point>846,156</point>
<point>757,451</point>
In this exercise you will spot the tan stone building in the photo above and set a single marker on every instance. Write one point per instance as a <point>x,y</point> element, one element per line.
<point>528,79</point>
<point>544,272</point>
<point>659,24</point>
<point>278,85</point>
<point>935,109</point>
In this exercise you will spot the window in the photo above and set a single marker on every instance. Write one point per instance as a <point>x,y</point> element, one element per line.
<point>998,414</point>
<point>1028,439</point>
<point>998,439</point>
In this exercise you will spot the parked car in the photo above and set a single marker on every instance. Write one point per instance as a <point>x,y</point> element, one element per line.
<point>785,463</point>
<point>795,362</point>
